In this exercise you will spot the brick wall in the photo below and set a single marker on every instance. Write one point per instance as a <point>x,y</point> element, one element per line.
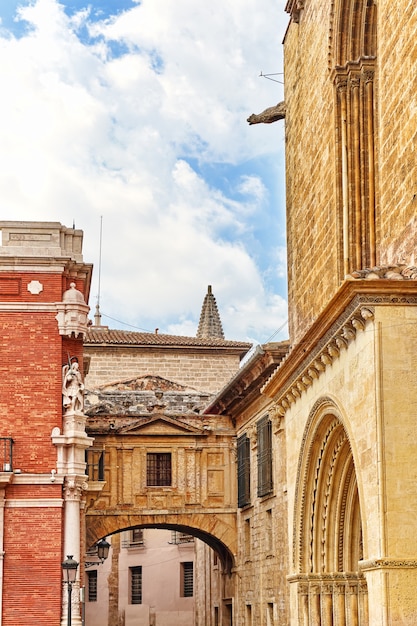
<point>32,565</point>
<point>31,356</point>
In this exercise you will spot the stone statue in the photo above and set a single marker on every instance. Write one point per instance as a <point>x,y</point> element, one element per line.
<point>72,386</point>
<point>271,114</point>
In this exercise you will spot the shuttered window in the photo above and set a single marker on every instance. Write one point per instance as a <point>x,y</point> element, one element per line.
<point>187,582</point>
<point>243,470</point>
<point>264,433</point>
<point>136,585</point>
<point>92,585</point>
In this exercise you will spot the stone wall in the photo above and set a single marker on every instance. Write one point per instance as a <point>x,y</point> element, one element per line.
<point>397,57</point>
<point>203,371</point>
<point>313,244</point>
<point>351,193</point>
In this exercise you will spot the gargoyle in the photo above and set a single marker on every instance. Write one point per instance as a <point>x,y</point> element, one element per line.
<point>272,114</point>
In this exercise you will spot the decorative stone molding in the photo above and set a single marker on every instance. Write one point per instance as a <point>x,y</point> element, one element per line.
<point>385,563</point>
<point>72,313</point>
<point>294,8</point>
<point>388,272</point>
<point>326,352</point>
<point>35,287</point>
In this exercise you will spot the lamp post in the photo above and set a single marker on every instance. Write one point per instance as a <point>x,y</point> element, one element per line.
<point>103,548</point>
<point>69,568</point>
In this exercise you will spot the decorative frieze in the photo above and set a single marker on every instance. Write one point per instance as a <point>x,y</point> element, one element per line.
<point>323,356</point>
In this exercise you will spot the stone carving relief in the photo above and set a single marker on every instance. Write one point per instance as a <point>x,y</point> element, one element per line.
<point>72,387</point>
<point>72,313</point>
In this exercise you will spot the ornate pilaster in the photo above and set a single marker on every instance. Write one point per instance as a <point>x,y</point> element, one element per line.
<point>354,99</point>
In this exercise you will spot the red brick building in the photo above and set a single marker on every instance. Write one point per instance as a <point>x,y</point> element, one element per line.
<point>44,286</point>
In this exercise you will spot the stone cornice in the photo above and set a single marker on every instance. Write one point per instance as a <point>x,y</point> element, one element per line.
<point>346,315</point>
<point>244,387</point>
<point>386,563</point>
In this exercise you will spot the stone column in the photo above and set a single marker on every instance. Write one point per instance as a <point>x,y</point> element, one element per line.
<point>72,502</point>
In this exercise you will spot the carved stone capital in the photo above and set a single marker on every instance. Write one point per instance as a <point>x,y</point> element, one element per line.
<point>73,488</point>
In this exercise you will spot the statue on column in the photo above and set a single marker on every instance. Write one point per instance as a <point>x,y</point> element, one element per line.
<point>72,386</point>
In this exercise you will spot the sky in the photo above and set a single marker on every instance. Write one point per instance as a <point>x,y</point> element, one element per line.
<point>128,118</point>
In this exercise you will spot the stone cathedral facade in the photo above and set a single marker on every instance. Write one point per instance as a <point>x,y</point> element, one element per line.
<point>338,489</point>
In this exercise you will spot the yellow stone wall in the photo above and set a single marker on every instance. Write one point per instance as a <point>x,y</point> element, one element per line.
<point>397,76</point>
<point>203,372</point>
<point>313,139</point>
<point>313,272</point>
<point>370,385</point>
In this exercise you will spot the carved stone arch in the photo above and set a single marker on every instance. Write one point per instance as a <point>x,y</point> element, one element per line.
<point>217,531</point>
<point>327,521</point>
<point>352,31</point>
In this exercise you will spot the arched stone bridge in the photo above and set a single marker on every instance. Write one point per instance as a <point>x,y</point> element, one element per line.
<point>164,472</point>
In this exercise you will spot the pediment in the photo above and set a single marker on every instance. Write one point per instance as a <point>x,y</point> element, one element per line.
<point>161,425</point>
<point>146,383</point>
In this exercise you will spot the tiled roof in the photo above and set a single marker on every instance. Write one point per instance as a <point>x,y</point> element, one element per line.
<point>105,336</point>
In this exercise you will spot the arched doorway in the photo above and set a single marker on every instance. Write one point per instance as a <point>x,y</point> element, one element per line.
<point>330,589</point>
<point>159,573</point>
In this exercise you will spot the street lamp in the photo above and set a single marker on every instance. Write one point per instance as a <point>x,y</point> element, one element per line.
<point>101,550</point>
<point>69,568</point>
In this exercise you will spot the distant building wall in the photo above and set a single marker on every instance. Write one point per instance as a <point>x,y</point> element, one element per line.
<point>161,559</point>
<point>208,372</point>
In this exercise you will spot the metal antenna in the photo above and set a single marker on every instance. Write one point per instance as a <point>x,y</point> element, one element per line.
<point>97,316</point>
<point>268,76</point>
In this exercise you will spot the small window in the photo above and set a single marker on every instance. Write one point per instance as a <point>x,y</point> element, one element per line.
<point>136,537</point>
<point>187,579</point>
<point>178,537</point>
<point>92,586</point>
<point>94,458</point>
<point>136,585</point>
<point>158,469</point>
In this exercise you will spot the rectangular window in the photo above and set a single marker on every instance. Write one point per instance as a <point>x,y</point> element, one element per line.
<point>243,470</point>
<point>247,536</point>
<point>94,457</point>
<point>178,537</point>
<point>158,469</point>
<point>92,585</point>
<point>135,585</point>
<point>187,579</point>
<point>268,531</point>
<point>136,537</point>
<point>264,434</point>
<point>270,614</point>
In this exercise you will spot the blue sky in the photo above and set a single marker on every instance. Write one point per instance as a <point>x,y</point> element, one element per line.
<point>134,114</point>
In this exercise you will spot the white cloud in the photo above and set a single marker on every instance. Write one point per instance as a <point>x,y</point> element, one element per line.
<point>87,132</point>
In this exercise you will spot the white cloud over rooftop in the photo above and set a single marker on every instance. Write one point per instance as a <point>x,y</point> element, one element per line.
<point>140,117</point>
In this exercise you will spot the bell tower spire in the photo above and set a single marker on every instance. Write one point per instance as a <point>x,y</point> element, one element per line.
<point>210,325</point>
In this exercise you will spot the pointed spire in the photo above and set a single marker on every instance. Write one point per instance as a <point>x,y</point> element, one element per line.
<point>97,316</point>
<point>210,325</point>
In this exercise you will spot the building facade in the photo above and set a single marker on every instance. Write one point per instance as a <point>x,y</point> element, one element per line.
<point>343,396</point>
<point>44,285</point>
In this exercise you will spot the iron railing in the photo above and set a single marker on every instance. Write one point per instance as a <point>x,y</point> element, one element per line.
<point>6,454</point>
